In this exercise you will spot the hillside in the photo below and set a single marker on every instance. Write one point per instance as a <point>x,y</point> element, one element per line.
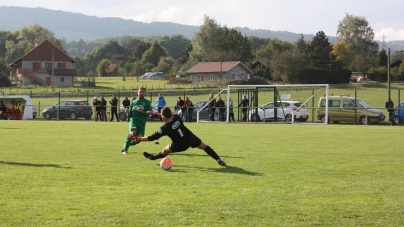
<point>74,26</point>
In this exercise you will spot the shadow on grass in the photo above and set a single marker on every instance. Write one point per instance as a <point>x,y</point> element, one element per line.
<point>227,169</point>
<point>33,165</point>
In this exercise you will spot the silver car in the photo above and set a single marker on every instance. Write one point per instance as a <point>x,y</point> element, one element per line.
<point>284,111</point>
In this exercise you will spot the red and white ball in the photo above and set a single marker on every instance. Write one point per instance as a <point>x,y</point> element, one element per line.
<point>166,163</point>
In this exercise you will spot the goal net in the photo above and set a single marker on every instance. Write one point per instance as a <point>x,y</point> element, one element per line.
<point>267,104</point>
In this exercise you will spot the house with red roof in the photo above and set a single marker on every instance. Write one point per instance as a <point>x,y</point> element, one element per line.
<point>216,71</point>
<point>44,65</point>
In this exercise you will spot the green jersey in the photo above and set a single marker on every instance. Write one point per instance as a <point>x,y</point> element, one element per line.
<point>231,109</point>
<point>137,116</point>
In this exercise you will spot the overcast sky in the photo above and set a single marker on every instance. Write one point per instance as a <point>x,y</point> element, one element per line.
<point>297,16</point>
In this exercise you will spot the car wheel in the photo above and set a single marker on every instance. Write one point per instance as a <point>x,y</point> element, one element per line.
<point>255,118</point>
<point>323,119</point>
<point>46,116</point>
<point>73,116</point>
<point>364,120</point>
<point>122,116</point>
<point>303,120</point>
<point>288,118</point>
<point>397,120</point>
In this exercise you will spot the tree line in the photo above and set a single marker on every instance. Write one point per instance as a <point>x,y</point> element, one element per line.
<point>315,61</point>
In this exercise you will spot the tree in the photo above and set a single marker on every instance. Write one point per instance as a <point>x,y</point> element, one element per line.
<point>287,65</point>
<point>153,54</point>
<point>320,51</point>
<point>382,58</point>
<point>175,45</point>
<point>356,33</point>
<point>216,43</point>
<point>342,53</point>
<point>301,45</point>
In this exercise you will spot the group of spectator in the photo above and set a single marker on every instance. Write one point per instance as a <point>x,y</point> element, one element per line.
<point>100,107</point>
<point>187,108</point>
<point>15,112</point>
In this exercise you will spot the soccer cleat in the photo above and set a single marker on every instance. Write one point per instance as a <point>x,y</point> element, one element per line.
<point>124,152</point>
<point>147,155</point>
<point>221,162</point>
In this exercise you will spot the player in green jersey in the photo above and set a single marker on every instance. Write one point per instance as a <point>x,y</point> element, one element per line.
<point>137,113</point>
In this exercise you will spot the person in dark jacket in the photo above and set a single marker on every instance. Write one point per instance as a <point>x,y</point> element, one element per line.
<point>221,107</point>
<point>114,108</point>
<point>390,109</point>
<point>103,109</point>
<point>212,105</point>
<point>244,103</point>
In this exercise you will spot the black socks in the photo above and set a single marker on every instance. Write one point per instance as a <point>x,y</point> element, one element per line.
<point>211,153</point>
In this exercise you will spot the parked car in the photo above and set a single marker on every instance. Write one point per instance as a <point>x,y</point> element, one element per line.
<point>348,109</point>
<point>399,113</point>
<point>353,79</point>
<point>284,111</point>
<point>156,75</point>
<point>146,75</point>
<point>72,109</point>
<point>204,113</point>
<point>123,116</point>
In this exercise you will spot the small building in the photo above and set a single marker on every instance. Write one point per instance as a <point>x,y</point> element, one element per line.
<point>216,71</point>
<point>44,65</point>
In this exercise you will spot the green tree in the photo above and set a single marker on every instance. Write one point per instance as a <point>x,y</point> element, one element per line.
<point>153,54</point>
<point>382,58</point>
<point>320,51</point>
<point>103,68</point>
<point>356,33</point>
<point>175,45</point>
<point>216,43</point>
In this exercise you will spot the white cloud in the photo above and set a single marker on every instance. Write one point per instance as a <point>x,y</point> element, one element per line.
<point>390,34</point>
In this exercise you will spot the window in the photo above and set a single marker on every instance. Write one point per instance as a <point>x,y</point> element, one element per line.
<point>61,65</point>
<point>34,64</point>
<point>48,65</point>
<point>211,77</point>
<point>62,79</point>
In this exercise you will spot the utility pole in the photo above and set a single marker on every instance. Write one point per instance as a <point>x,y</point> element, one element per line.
<point>53,88</point>
<point>388,74</point>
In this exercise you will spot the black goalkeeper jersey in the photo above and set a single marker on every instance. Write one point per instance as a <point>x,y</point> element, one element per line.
<point>175,129</point>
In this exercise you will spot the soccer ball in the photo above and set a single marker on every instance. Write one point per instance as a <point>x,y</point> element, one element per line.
<point>166,163</point>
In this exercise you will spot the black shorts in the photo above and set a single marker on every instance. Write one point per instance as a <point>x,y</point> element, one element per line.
<point>193,142</point>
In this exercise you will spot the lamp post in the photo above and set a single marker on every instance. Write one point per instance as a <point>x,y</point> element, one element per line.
<point>53,88</point>
<point>388,74</point>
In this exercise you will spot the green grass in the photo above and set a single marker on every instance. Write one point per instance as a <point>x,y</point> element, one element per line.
<point>71,173</point>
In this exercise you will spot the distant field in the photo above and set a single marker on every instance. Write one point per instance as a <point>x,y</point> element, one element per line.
<point>71,173</point>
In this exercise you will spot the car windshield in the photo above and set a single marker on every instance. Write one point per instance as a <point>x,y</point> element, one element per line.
<point>361,104</point>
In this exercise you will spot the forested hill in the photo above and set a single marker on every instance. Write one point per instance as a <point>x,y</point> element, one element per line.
<point>75,26</point>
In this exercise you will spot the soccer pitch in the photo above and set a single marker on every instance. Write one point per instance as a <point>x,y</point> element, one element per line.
<point>71,173</point>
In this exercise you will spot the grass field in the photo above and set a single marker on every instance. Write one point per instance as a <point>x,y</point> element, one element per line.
<point>71,173</point>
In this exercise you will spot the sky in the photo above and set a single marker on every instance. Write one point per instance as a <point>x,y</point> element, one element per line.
<point>297,16</point>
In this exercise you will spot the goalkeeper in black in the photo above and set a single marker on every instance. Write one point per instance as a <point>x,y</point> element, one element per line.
<point>182,138</point>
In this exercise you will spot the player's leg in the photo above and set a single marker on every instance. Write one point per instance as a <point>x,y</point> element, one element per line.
<point>196,142</point>
<point>166,150</point>
<point>128,142</point>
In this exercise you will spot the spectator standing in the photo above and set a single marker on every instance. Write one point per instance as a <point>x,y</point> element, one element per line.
<point>212,109</point>
<point>190,108</point>
<point>221,108</point>
<point>244,103</point>
<point>126,103</point>
<point>231,111</point>
<point>390,109</point>
<point>138,114</point>
<point>3,111</point>
<point>97,109</point>
<point>160,103</point>
<point>114,108</point>
<point>103,109</point>
<point>180,104</point>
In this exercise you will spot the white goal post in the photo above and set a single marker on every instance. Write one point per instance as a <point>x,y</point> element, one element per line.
<point>261,97</point>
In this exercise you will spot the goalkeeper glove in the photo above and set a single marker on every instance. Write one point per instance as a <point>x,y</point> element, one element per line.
<point>133,137</point>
